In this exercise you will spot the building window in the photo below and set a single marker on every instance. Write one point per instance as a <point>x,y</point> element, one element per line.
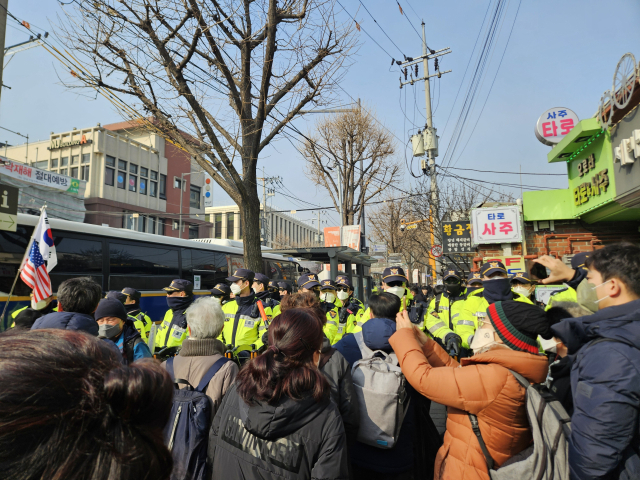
<point>193,232</point>
<point>152,225</point>
<point>109,172</point>
<point>154,175</point>
<point>133,183</point>
<point>162,222</point>
<point>142,223</point>
<point>122,177</point>
<point>54,163</point>
<point>163,186</point>
<point>122,165</point>
<point>176,182</point>
<point>194,197</point>
<point>44,165</point>
<point>153,185</point>
<point>75,159</point>
<point>144,172</point>
<point>143,186</point>
<point>63,171</point>
<point>176,225</point>
<point>230,225</point>
<point>84,173</point>
<point>64,162</point>
<point>133,168</point>
<point>74,171</point>
<point>217,226</point>
<point>86,158</point>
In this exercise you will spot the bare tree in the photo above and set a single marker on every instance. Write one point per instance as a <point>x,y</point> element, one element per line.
<point>220,78</point>
<point>284,241</point>
<point>351,154</point>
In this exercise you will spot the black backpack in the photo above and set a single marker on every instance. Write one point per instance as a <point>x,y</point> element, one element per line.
<point>187,432</point>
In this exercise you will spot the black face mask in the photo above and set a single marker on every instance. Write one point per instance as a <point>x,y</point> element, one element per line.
<point>472,289</point>
<point>179,303</point>
<point>131,307</point>
<point>497,290</point>
<point>454,290</point>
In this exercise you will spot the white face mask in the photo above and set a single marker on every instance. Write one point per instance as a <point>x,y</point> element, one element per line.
<point>483,339</point>
<point>597,302</point>
<point>328,297</point>
<point>522,290</point>
<point>39,305</point>
<point>343,295</point>
<point>235,289</point>
<point>549,346</point>
<point>218,300</point>
<point>397,291</point>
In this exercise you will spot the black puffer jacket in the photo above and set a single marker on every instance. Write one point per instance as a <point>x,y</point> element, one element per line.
<point>338,371</point>
<point>294,440</point>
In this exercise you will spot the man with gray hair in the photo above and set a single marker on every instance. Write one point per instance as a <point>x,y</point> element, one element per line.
<point>202,349</point>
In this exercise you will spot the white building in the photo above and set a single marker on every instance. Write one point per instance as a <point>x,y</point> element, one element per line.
<point>282,230</point>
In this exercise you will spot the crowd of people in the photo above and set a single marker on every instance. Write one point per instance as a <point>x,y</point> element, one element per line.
<point>258,381</point>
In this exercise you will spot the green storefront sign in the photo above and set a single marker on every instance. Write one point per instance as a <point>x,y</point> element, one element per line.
<point>592,194</point>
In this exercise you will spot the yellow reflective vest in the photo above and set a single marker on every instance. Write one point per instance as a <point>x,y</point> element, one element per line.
<point>142,322</point>
<point>243,324</point>
<point>170,333</point>
<point>446,318</point>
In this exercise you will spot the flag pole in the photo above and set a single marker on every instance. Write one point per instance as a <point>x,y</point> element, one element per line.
<point>15,280</point>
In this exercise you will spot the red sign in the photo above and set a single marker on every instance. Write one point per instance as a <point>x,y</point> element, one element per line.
<point>436,251</point>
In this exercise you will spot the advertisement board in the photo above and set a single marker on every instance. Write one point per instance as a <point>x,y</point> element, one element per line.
<point>331,236</point>
<point>513,263</point>
<point>456,237</point>
<point>496,225</point>
<point>554,124</point>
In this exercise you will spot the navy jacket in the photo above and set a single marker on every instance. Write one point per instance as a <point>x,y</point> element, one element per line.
<point>605,382</point>
<point>376,333</point>
<point>68,321</point>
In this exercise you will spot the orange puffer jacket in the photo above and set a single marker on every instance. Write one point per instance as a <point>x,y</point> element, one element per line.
<point>483,386</point>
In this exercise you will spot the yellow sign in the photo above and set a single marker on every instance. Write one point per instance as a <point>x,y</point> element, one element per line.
<point>413,226</point>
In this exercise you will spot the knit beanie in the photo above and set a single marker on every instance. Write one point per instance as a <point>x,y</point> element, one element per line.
<point>109,307</point>
<point>518,324</point>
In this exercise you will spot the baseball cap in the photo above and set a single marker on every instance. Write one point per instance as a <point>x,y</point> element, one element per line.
<point>273,284</point>
<point>394,274</point>
<point>131,292</point>
<point>308,281</point>
<point>179,285</point>
<point>327,285</point>
<point>474,277</point>
<point>116,295</point>
<point>344,280</point>
<point>260,277</point>
<point>284,286</point>
<point>221,289</point>
<point>453,273</point>
<point>579,259</point>
<point>521,277</point>
<point>241,274</point>
<point>492,267</point>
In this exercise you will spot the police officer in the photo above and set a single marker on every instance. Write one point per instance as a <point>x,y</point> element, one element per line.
<point>260,287</point>
<point>222,293</point>
<point>116,295</point>
<point>274,290</point>
<point>521,283</point>
<point>352,308</point>
<point>444,312</point>
<point>331,306</point>
<point>393,281</point>
<point>140,319</point>
<point>243,325</point>
<point>569,292</point>
<point>309,283</point>
<point>474,282</point>
<point>173,329</point>
<point>284,289</point>
<point>44,306</point>
<point>496,287</point>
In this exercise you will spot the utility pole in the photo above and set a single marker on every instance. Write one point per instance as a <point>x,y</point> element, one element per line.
<point>4,7</point>
<point>427,141</point>
<point>265,218</point>
<point>318,227</point>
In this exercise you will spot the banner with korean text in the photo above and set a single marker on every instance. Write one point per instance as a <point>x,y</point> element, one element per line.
<point>496,225</point>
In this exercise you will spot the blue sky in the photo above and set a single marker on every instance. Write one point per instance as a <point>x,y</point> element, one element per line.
<point>559,54</point>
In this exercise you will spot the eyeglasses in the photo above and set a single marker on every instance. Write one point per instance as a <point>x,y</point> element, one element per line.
<point>342,289</point>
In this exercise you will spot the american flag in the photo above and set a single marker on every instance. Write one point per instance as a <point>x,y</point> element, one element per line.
<point>34,273</point>
<point>42,258</point>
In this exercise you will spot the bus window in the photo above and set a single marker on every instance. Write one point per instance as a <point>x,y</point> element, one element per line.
<point>211,266</point>
<point>12,248</point>
<point>143,267</point>
<point>78,255</point>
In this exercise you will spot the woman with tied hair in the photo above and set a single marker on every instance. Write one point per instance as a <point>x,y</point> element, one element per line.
<point>202,349</point>
<point>334,366</point>
<point>70,410</point>
<point>277,420</point>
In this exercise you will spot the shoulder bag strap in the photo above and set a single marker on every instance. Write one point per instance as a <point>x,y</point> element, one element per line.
<point>210,373</point>
<point>365,351</point>
<point>476,429</point>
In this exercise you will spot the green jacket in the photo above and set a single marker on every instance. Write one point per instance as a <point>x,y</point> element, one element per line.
<point>444,320</point>
<point>475,307</point>
<point>243,325</point>
<point>142,322</point>
<point>176,333</point>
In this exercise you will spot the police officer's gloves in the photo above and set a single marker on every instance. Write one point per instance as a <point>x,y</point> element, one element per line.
<point>452,344</point>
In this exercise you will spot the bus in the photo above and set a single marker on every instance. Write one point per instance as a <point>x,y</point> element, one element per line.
<point>116,258</point>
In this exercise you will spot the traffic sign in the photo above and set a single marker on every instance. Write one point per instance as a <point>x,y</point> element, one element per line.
<point>436,251</point>
<point>8,207</point>
<point>412,226</point>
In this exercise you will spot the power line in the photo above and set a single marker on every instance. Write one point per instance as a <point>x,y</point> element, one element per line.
<point>362,28</point>
<point>380,27</point>
<point>510,173</point>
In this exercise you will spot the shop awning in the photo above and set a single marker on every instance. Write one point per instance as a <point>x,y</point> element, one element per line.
<point>575,141</point>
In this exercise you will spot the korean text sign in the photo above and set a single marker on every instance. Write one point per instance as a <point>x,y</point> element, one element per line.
<point>554,124</point>
<point>456,237</point>
<point>496,225</point>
